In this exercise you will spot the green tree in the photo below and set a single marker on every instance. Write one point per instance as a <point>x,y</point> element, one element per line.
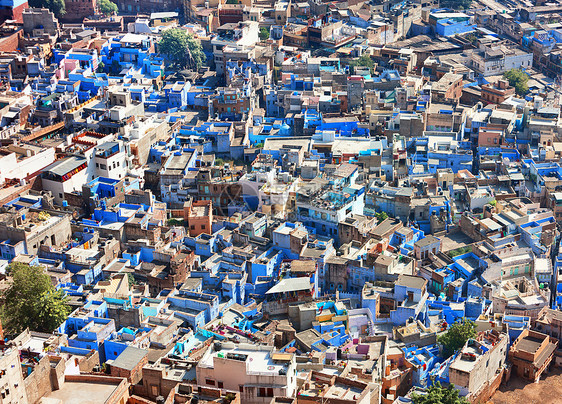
<point>101,67</point>
<point>473,39</point>
<point>264,33</point>
<point>439,395</point>
<point>56,6</point>
<point>31,301</point>
<point>457,335</point>
<point>231,1</point>
<point>107,7</point>
<point>131,278</point>
<point>175,222</point>
<point>364,61</point>
<point>382,216</point>
<point>518,79</point>
<point>181,48</point>
<point>115,66</point>
<point>456,4</point>
<point>459,251</point>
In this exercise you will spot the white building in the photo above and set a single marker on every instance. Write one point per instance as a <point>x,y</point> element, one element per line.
<point>110,160</point>
<point>19,161</point>
<point>257,372</point>
<point>234,37</point>
<point>64,176</point>
<point>497,59</point>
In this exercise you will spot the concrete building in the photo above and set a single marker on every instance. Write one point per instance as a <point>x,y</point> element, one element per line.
<point>531,354</point>
<point>257,372</point>
<point>425,246</point>
<point>497,93</point>
<point>129,364</point>
<point>13,388</point>
<point>497,59</point>
<point>549,322</point>
<point>479,365</point>
<point>35,228</point>
<point>65,176</point>
<point>110,160</point>
<point>91,389</point>
<point>200,217</point>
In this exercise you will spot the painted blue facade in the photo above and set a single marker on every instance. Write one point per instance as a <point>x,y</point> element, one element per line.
<point>450,27</point>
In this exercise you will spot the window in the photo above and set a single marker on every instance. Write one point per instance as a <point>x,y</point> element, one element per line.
<point>210,382</point>
<point>241,388</point>
<point>220,385</point>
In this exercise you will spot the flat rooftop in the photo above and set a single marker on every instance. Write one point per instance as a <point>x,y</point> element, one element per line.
<point>529,344</point>
<point>83,393</point>
<point>256,360</point>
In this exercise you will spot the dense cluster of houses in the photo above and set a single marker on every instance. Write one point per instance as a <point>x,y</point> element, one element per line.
<point>315,206</point>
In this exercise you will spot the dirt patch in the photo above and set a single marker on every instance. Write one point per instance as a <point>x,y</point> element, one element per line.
<point>518,391</point>
<point>452,241</point>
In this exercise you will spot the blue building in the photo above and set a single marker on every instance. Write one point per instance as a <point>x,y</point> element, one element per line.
<point>196,309</point>
<point>453,26</point>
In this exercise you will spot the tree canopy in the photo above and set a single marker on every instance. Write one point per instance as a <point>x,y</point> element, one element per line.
<point>456,4</point>
<point>365,61</point>
<point>107,7</point>
<point>32,301</point>
<point>439,395</point>
<point>181,48</point>
<point>457,335</point>
<point>518,79</point>
<point>381,217</point>
<point>56,6</point>
<point>264,33</point>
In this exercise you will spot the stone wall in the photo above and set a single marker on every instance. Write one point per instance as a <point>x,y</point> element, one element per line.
<point>38,383</point>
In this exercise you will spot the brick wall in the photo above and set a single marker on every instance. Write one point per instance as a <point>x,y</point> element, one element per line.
<point>38,383</point>
<point>88,362</point>
<point>134,375</point>
<point>488,391</point>
<point>76,11</point>
<point>10,43</point>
